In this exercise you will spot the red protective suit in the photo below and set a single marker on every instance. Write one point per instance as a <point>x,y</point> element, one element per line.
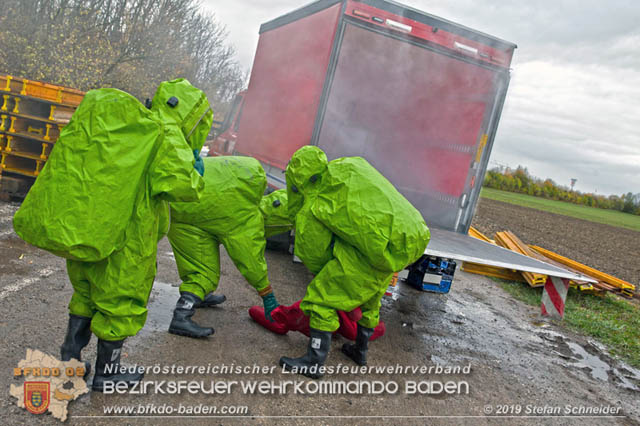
<point>291,318</point>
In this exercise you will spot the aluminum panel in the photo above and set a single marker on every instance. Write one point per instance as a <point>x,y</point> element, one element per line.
<point>453,245</point>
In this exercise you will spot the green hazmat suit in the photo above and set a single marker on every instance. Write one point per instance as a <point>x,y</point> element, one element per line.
<point>353,231</point>
<point>101,198</point>
<point>274,211</point>
<point>229,213</point>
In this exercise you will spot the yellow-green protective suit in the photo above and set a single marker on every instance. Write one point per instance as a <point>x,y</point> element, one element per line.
<point>274,211</point>
<point>101,199</point>
<point>229,213</point>
<point>353,230</point>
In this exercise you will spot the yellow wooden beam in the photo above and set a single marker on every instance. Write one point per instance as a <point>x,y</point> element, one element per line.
<point>625,286</point>
<point>473,232</point>
<point>492,271</point>
<point>509,241</point>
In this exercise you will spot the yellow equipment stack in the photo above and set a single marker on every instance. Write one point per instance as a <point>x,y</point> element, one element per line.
<point>508,240</point>
<point>32,114</point>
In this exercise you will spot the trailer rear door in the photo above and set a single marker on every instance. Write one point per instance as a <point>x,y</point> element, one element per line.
<point>420,116</point>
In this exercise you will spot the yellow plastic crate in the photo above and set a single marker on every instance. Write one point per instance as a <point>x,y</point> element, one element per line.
<point>49,92</point>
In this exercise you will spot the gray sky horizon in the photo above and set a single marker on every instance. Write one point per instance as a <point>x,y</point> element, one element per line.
<point>573,105</point>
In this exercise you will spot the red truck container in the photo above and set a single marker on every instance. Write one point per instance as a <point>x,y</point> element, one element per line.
<point>416,95</point>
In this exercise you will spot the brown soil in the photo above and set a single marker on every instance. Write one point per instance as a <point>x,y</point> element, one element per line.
<point>610,249</point>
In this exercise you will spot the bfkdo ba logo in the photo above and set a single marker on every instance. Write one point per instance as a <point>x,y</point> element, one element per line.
<point>36,396</point>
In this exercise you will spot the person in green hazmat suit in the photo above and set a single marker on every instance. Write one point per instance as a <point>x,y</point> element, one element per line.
<point>101,202</point>
<point>230,213</point>
<point>353,231</point>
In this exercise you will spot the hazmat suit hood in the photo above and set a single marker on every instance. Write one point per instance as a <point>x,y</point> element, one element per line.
<point>187,106</point>
<point>303,174</point>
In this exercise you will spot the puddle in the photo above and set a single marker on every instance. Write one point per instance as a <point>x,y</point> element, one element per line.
<point>593,358</point>
<point>460,326</point>
<point>599,368</point>
<point>541,324</point>
<point>629,378</point>
<point>160,309</point>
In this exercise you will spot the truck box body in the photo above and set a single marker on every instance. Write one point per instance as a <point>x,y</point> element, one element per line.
<point>419,97</point>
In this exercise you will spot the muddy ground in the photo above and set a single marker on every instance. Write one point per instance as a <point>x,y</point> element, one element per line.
<point>517,362</point>
<point>610,249</point>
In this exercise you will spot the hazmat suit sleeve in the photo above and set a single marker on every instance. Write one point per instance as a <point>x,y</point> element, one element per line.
<point>274,210</point>
<point>173,177</point>
<point>314,241</point>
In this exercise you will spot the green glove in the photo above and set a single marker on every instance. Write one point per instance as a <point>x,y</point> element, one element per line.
<point>199,165</point>
<point>270,303</point>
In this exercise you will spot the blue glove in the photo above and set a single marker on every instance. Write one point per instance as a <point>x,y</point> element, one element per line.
<point>270,303</point>
<point>199,165</point>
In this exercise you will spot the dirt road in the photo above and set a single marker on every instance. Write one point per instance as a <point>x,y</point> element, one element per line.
<point>517,362</point>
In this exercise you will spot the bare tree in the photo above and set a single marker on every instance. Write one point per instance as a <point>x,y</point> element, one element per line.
<point>129,44</point>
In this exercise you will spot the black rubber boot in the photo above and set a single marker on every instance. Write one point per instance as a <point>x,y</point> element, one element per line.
<point>78,336</point>
<point>358,351</point>
<point>182,324</point>
<point>108,366</point>
<point>211,300</point>
<point>317,351</point>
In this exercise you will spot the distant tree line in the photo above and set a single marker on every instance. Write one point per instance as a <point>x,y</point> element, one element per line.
<point>520,181</point>
<point>132,45</point>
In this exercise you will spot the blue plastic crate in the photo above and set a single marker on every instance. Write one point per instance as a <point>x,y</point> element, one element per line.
<point>432,274</point>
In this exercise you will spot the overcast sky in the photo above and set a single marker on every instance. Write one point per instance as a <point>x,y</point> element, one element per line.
<point>573,106</point>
